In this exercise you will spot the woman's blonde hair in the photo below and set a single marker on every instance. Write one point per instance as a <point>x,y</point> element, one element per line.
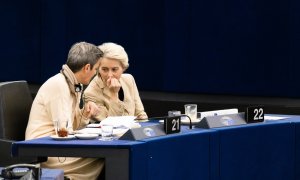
<point>115,51</point>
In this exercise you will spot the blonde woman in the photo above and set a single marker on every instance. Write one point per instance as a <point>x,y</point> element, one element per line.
<point>114,91</point>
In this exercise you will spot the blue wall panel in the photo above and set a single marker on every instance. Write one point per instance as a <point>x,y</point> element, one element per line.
<point>238,47</point>
<point>20,40</point>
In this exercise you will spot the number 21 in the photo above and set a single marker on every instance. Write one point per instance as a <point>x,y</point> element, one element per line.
<point>175,124</point>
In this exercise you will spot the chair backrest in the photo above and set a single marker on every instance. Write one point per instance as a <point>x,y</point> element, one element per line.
<point>15,105</point>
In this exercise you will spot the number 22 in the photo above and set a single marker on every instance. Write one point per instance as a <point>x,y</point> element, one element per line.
<point>258,114</point>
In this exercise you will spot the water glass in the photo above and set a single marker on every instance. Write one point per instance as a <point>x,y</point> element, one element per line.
<point>191,111</point>
<point>106,132</point>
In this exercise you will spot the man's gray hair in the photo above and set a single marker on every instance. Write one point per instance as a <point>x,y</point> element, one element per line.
<point>83,53</point>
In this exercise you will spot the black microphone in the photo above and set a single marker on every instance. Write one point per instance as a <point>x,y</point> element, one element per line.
<point>164,117</point>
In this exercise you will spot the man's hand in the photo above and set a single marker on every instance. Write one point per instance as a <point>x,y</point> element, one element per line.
<point>141,117</point>
<point>91,109</point>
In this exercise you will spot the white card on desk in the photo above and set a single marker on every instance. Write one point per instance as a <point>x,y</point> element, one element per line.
<point>218,112</point>
<point>274,118</point>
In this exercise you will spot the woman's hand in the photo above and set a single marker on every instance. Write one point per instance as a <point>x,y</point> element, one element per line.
<point>113,84</point>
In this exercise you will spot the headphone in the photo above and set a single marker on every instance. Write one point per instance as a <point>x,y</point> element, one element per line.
<point>78,87</point>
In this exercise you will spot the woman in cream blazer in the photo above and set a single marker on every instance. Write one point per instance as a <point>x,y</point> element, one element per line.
<point>115,93</point>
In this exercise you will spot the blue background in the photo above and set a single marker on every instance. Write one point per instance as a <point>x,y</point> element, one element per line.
<point>241,47</point>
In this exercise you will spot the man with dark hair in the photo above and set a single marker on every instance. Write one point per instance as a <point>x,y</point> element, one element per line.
<point>59,98</point>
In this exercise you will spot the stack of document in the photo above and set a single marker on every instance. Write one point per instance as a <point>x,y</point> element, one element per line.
<point>89,131</point>
<point>121,122</point>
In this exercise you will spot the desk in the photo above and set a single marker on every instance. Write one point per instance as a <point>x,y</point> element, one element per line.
<point>257,151</point>
<point>135,160</point>
<point>116,153</point>
<point>296,122</point>
<point>183,156</point>
<point>253,151</point>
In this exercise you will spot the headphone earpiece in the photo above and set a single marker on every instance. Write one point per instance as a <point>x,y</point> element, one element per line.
<point>78,87</point>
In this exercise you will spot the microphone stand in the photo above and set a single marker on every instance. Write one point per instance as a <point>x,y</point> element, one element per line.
<point>184,115</point>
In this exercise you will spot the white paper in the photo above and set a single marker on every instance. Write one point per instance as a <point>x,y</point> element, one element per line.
<point>120,122</point>
<point>116,131</point>
<point>274,118</point>
<point>89,131</point>
<point>94,125</point>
